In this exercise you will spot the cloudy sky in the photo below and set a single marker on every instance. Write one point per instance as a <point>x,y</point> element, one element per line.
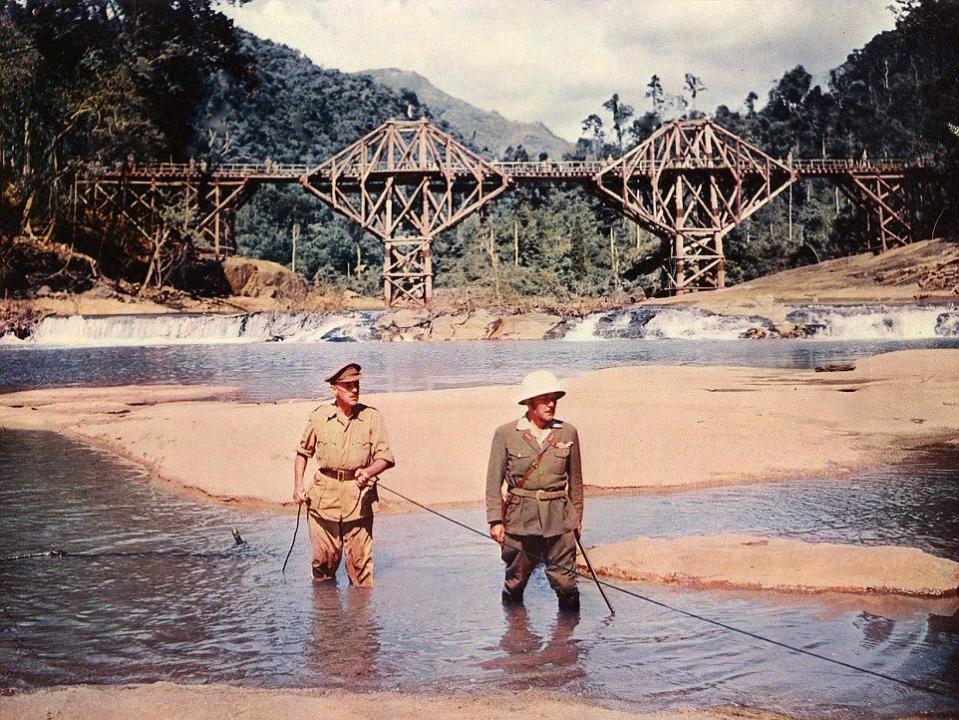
<point>558,61</point>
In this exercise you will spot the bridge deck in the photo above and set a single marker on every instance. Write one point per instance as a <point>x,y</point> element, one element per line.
<point>572,170</point>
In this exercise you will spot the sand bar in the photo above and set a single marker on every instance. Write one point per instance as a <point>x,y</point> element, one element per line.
<point>755,563</point>
<point>160,701</point>
<point>641,428</point>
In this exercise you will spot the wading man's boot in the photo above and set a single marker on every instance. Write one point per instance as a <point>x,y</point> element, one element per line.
<point>568,600</point>
<point>512,598</point>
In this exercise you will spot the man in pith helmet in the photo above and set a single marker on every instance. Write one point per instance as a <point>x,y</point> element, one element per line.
<point>348,440</point>
<point>534,493</point>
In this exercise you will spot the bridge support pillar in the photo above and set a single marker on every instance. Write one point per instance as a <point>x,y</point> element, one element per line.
<point>405,183</point>
<point>407,271</point>
<point>194,211</point>
<point>883,197</point>
<point>690,183</point>
<point>697,263</point>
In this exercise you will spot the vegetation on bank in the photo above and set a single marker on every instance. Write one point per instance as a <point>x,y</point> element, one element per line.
<point>115,82</point>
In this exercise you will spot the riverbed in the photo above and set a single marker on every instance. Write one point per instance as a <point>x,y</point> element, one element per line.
<point>147,585</point>
<point>152,587</point>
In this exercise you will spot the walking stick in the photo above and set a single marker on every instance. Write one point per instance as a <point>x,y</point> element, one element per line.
<point>593,573</point>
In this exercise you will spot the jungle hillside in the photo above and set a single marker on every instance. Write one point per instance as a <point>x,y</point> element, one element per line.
<point>110,83</point>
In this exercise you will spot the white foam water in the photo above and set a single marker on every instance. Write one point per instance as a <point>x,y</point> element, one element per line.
<point>664,323</point>
<point>878,322</point>
<point>820,322</point>
<point>183,329</point>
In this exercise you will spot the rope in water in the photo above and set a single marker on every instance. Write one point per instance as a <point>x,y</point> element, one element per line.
<point>299,507</point>
<point>725,626</point>
<point>93,555</point>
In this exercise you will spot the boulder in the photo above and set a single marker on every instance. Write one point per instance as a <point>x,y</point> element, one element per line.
<point>535,326</point>
<point>404,324</point>
<point>249,277</point>
<point>405,318</point>
<point>468,326</point>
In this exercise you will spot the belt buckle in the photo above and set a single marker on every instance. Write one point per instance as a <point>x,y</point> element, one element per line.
<point>539,495</point>
<point>341,475</point>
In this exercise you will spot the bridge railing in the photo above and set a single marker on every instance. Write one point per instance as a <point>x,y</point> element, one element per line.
<point>267,168</point>
<point>549,167</point>
<point>541,168</point>
<point>827,166</point>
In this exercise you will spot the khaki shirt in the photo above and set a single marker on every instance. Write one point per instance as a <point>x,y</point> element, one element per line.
<point>339,445</point>
<point>512,453</point>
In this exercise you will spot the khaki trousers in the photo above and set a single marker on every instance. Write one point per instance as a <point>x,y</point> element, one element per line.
<point>329,537</point>
<point>522,553</point>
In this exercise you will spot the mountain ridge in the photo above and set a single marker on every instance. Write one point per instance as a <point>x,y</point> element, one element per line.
<point>486,130</point>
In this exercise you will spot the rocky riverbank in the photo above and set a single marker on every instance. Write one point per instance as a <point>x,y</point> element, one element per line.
<point>925,272</point>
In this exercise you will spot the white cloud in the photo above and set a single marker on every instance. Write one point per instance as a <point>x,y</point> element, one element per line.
<point>558,61</point>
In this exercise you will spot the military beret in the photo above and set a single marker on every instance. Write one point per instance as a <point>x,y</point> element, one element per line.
<point>347,373</point>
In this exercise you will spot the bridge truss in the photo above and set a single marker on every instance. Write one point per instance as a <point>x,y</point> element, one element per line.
<point>689,184</point>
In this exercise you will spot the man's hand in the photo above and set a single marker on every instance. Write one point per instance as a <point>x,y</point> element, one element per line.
<point>362,477</point>
<point>497,532</point>
<point>299,497</point>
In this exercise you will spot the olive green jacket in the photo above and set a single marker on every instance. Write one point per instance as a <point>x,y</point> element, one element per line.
<point>511,455</point>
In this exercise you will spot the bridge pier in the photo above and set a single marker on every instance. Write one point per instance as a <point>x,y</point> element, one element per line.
<point>196,209</point>
<point>690,183</point>
<point>883,197</point>
<point>407,271</point>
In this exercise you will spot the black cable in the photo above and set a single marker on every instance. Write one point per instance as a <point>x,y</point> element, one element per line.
<point>716,623</point>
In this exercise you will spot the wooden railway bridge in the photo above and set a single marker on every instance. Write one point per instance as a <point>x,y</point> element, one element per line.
<point>689,183</point>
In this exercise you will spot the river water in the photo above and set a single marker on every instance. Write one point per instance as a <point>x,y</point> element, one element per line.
<point>152,587</point>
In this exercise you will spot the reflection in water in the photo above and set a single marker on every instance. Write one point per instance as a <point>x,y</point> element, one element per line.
<point>344,645</point>
<point>531,662</point>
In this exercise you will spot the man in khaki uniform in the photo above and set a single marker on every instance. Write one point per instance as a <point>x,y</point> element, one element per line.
<point>540,516</point>
<point>349,442</point>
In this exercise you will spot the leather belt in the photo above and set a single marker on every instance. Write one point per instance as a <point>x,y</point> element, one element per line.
<point>538,494</point>
<point>341,475</point>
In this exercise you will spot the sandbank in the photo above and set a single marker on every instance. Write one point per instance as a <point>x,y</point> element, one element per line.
<point>647,428</point>
<point>756,563</point>
<point>160,701</point>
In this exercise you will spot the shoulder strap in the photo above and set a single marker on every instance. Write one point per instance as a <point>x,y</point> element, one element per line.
<point>547,444</point>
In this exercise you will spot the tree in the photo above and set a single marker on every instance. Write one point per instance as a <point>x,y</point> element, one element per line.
<point>693,85</point>
<point>621,114</point>
<point>593,131</point>
<point>656,95</point>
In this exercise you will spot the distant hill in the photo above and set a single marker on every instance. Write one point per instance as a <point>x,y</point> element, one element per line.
<point>482,129</point>
<point>293,110</point>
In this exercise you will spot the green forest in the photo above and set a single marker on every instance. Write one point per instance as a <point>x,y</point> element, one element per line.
<point>120,81</point>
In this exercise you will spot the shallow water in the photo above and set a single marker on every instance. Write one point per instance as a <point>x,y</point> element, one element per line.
<point>273,371</point>
<point>164,595</point>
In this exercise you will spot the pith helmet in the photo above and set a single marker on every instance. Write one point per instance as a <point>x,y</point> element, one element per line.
<point>540,382</point>
<point>347,373</point>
